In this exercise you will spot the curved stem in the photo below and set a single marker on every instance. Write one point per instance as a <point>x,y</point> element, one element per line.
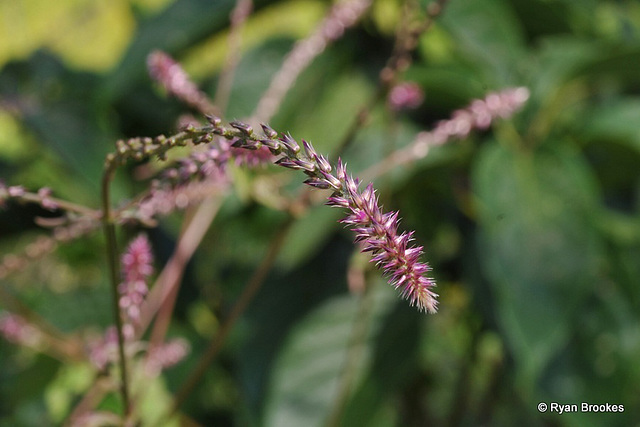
<point>114,268</point>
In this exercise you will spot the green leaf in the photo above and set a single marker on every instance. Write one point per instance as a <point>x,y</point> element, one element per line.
<point>618,62</point>
<point>306,375</point>
<point>537,246</point>
<point>559,60</point>
<point>394,364</point>
<point>253,75</point>
<point>310,369</point>
<point>58,106</point>
<point>489,34</point>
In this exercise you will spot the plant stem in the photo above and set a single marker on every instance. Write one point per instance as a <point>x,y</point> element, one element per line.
<point>114,268</point>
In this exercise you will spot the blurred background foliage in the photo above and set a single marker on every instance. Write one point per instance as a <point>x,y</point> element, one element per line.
<point>532,228</point>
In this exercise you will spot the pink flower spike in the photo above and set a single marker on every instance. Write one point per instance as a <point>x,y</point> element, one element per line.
<point>137,260</point>
<point>377,231</point>
<point>390,249</point>
<point>136,268</point>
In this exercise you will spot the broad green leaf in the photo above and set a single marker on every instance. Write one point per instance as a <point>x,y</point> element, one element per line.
<point>307,372</point>
<point>558,61</point>
<point>284,299</point>
<point>489,34</point>
<point>324,101</point>
<point>449,86</point>
<point>394,364</point>
<point>618,62</point>
<point>327,99</point>
<point>606,346</point>
<point>310,370</point>
<point>537,246</point>
<point>541,17</point>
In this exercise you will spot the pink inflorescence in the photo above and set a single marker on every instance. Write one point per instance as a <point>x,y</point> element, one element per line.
<point>136,268</point>
<point>200,165</point>
<point>478,115</point>
<point>379,233</point>
<point>166,71</point>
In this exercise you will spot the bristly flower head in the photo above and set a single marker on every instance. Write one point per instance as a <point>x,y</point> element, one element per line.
<point>379,233</point>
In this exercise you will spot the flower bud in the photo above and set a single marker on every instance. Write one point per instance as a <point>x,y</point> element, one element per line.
<point>269,133</point>
<point>242,127</point>
<point>290,144</point>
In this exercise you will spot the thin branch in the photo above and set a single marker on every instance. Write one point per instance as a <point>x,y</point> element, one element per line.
<point>43,198</point>
<point>114,269</point>
<point>479,114</point>
<point>43,245</point>
<point>190,239</point>
<point>341,17</point>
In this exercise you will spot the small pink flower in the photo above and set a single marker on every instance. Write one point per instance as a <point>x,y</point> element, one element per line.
<point>405,96</point>
<point>17,330</point>
<point>166,355</point>
<point>45,199</point>
<point>137,260</point>
<point>16,191</point>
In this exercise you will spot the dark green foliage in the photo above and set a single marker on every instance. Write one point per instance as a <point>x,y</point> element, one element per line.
<point>532,227</point>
